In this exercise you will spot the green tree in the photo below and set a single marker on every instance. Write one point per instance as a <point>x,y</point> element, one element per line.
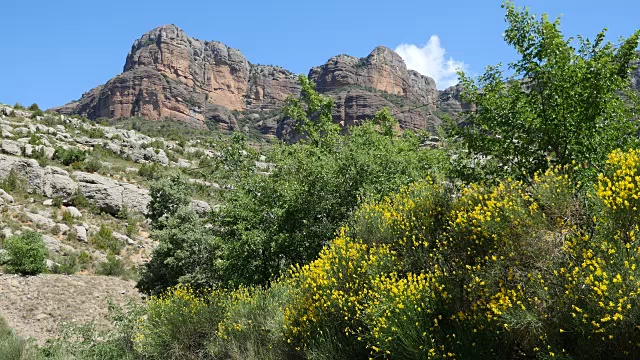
<point>167,196</point>
<point>186,253</point>
<point>561,104</point>
<point>271,222</point>
<point>26,253</point>
<point>312,114</point>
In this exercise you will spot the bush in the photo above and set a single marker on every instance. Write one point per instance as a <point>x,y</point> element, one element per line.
<point>13,347</point>
<point>167,196</point>
<point>180,323</point>
<point>152,171</point>
<point>34,107</point>
<point>114,266</point>
<point>69,156</point>
<point>253,325</point>
<point>105,240</point>
<point>92,165</point>
<point>183,255</point>
<point>67,265</point>
<point>12,182</point>
<point>26,253</point>
<point>95,133</point>
<point>67,218</point>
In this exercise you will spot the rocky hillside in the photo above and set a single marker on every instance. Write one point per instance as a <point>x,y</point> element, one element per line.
<point>168,74</point>
<point>84,185</point>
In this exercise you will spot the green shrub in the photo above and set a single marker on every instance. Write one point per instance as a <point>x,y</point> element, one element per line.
<point>152,171</point>
<point>253,325</point>
<point>67,218</point>
<point>183,255</point>
<point>18,106</point>
<point>95,133</point>
<point>67,265</point>
<point>105,240</point>
<point>12,182</point>
<point>69,156</point>
<point>114,266</point>
<point>78,200</point>
<point>26,253</point>
<point>55,230</point>
<point>92,165</point>
<point>167,196</point>
<point>35,140</point>
<point>13,347</point>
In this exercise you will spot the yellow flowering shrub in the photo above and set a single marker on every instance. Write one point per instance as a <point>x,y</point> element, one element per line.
<point>333,291</point>
<point>179,323</point>
<point>619,189</point>
<point>410,222</point>
<point>544,269</point>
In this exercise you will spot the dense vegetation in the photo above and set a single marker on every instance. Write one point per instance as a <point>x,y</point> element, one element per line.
<point>516,239</point>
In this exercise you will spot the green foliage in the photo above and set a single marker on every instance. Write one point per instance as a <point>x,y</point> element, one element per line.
<point>285,218</point>
<point>91,165</point>
<point>34,107</point>
<point>167,196</point>
<point>105,240</point>
<point>13,347</point>
<point>95,133</point>
<point>12,182</point>
<point>179,324</point>
<point>18,106</point>
<point>561,104</point>
<point>252,327</point>
<point>67,218</point>
<point>312,114</point>
<point>26,253</point>
<point>185,254</point>
<point>69,156</point>
<point>152,171</point>
<point>114,266</point>
<point>35,140</point>
<point>67,265</point>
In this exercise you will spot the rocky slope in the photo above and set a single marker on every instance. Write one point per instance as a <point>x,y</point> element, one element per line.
<point>87,209</point>
<point>168,74</point>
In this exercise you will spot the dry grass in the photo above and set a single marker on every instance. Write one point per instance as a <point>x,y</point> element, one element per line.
<point>36,306</point>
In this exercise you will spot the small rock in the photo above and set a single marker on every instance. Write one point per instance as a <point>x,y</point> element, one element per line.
<point>40,220</point>
<point>6,197</point>
<point>7,233</point>
<point>75,213</point>
<point>48,202</point>
<point>81,231</point>
<point>11,147</point>
<point>200,207</point>
<point>52,244</point>
<point>41,317</point>
<point>64,229</point>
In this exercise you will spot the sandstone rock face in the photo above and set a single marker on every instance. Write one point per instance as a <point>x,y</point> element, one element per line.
<point>449,100</point>
<point>361,87</point>
<point>169,74</point>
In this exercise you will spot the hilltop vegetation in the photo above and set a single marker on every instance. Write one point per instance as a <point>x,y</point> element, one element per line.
<point>513,236</point>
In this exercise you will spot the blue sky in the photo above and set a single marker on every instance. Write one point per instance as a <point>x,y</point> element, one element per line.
<point>53,51</point>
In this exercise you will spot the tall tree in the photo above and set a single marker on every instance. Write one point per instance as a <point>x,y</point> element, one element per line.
<point>561,103</point>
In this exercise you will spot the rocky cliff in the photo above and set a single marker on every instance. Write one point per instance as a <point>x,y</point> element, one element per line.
<point>363,86</point>
<point>168,74</point>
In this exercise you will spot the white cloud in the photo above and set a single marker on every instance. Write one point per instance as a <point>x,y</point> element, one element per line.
<point>430,60</point>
